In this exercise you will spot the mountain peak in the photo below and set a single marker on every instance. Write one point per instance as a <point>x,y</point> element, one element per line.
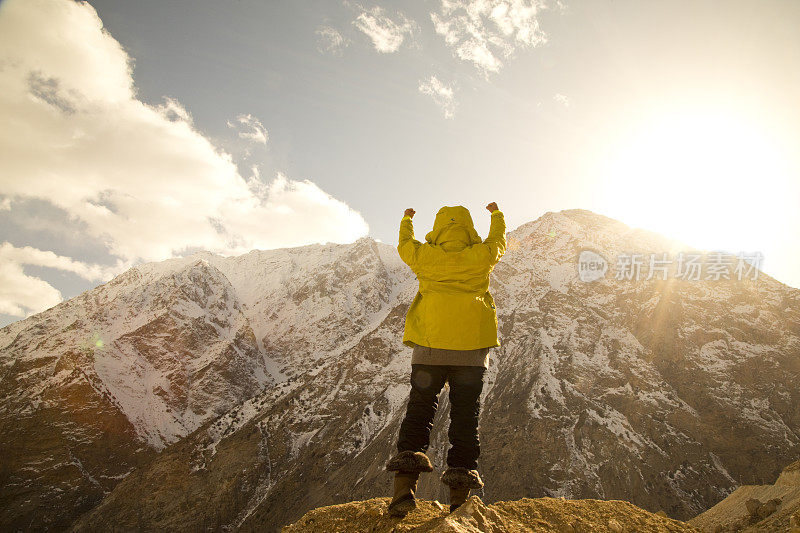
<point>572,220</point>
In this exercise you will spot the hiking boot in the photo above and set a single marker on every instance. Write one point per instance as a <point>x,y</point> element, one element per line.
<point>458,495</point>
<point>403,501</point>
<point>460,480</point>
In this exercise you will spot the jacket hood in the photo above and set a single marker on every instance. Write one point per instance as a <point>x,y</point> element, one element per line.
<point>453,225</point>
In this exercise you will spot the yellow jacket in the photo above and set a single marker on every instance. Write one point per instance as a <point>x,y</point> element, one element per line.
<point>453,308</point>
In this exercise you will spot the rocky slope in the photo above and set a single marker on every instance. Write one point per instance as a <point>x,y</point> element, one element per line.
<point>753,508</point>
<point>543,515</point>
<point>668,394</point>
<point>100,384</point>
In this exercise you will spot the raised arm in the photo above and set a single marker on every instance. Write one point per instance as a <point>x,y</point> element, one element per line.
<point>407,245</point>
<point>496,241</point>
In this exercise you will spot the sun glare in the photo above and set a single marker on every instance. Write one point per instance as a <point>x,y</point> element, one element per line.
<point>714,180</point>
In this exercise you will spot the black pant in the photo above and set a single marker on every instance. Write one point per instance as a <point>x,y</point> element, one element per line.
<point>466,383</point>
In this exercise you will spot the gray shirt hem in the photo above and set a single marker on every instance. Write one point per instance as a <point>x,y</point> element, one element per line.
<point>439,356</point>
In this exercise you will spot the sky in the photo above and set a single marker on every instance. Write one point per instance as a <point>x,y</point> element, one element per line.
<point>139,131</point>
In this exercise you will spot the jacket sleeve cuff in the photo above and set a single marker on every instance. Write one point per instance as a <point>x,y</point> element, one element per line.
<point>405,217</point>
<point>496,211</point>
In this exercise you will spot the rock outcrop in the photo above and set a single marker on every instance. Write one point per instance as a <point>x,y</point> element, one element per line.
<point>525,515</point>
<point>756,508</point>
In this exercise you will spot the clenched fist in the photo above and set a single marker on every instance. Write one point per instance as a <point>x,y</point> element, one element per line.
<point>410,212</point>
<point>492,207</point>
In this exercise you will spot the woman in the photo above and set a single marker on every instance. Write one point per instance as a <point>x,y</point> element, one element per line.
<point>451,324</point>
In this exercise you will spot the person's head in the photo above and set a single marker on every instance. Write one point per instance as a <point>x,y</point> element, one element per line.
<point>453,228</point>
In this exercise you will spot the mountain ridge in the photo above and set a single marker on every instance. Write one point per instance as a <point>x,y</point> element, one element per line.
<point>616,373</point>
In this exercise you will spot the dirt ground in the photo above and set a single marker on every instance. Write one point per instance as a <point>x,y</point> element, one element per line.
<point>540,514</point>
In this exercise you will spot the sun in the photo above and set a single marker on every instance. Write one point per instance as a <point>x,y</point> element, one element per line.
<point>712,178</point>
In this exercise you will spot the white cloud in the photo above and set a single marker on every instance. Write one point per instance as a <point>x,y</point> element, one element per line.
<point>481,31</point>
<point>27,255</point>
<point>173,110</point>
<point>386,34</point>
<point>143,180</point>
<point>562,99</point>
<point>250,128</point>
<point>293,210</point>
<point>22,295</point>
<point>330,41</point>
<point>442,94</point>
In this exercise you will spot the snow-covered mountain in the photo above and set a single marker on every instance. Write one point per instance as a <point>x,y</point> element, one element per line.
<point>277,382</point>
<point>100,383</point>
